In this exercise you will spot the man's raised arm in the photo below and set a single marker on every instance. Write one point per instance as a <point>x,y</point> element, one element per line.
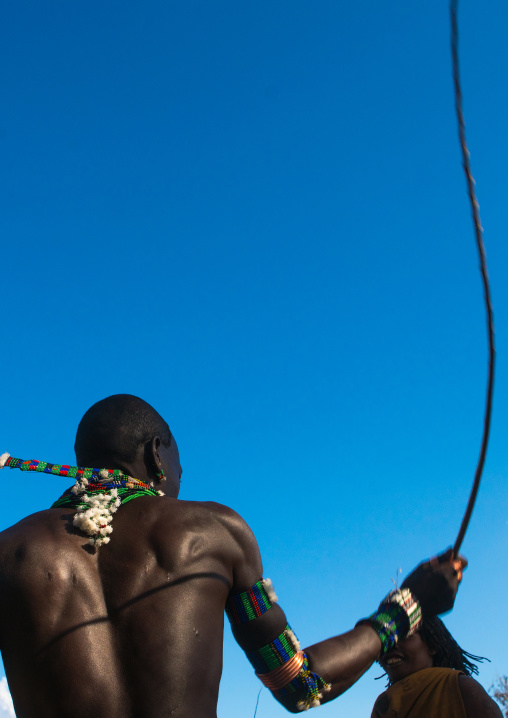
<point>300,678</point>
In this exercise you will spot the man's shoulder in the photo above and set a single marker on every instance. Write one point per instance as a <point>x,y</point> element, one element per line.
<point>204,511</point>
<point>220,523</point>
<point>30,537</point>
<point>41,520</point>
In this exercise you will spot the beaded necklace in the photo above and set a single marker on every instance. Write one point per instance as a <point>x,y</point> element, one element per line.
<point>96,495</point>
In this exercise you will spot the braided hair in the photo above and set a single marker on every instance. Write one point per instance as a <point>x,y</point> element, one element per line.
<point>448,653</point>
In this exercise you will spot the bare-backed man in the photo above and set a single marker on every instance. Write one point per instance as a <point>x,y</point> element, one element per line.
<point>133,628</point>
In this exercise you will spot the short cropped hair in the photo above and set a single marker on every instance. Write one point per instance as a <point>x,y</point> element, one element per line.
<point>113,429</point>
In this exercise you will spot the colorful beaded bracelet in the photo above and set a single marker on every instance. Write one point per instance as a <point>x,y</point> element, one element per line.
<point>283,667</point>
<point>399,615</point>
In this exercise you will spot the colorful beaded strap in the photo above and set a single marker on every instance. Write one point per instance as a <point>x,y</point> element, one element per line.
<point>96,495</point>
<point>398,616</point>
<point>283,667</point>
<point>74,472</point>
<point>248,605</point>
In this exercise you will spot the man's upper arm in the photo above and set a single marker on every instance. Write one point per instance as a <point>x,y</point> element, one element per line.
<point>247,571</point>
<point>477,702</point>
<point>247,565</point>
<point>298,678</point>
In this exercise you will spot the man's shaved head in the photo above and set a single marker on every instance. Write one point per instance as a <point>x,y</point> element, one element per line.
<point>112,431</point>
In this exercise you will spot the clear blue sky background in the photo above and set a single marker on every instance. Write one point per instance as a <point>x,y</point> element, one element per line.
<point>253,215</point>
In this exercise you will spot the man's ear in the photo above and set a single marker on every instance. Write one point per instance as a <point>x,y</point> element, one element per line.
<point>152,456</point>
<point>156,445</point>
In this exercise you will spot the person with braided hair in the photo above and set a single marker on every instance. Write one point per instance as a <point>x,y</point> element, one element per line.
<point>430,676</point>
<point>112,600</point>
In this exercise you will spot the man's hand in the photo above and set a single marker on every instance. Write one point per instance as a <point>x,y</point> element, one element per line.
<point>435,583</point>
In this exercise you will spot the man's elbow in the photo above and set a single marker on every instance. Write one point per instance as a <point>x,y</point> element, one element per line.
<point>291,706</point>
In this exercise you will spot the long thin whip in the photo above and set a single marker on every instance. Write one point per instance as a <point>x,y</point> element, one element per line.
<point>483,266</point>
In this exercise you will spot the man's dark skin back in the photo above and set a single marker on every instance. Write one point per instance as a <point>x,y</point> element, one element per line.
<point>135,630</point>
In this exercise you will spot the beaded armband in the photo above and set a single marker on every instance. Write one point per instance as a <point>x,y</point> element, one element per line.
<point>248,605</point>
<point>284,668</point>
<point>398,616</point>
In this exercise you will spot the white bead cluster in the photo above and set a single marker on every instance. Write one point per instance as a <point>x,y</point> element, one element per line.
<point>270,591</point>
<point>95,518</point>
<point>3,459</point>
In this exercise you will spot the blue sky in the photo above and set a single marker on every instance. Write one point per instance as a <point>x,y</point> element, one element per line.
<point>254,217</point>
